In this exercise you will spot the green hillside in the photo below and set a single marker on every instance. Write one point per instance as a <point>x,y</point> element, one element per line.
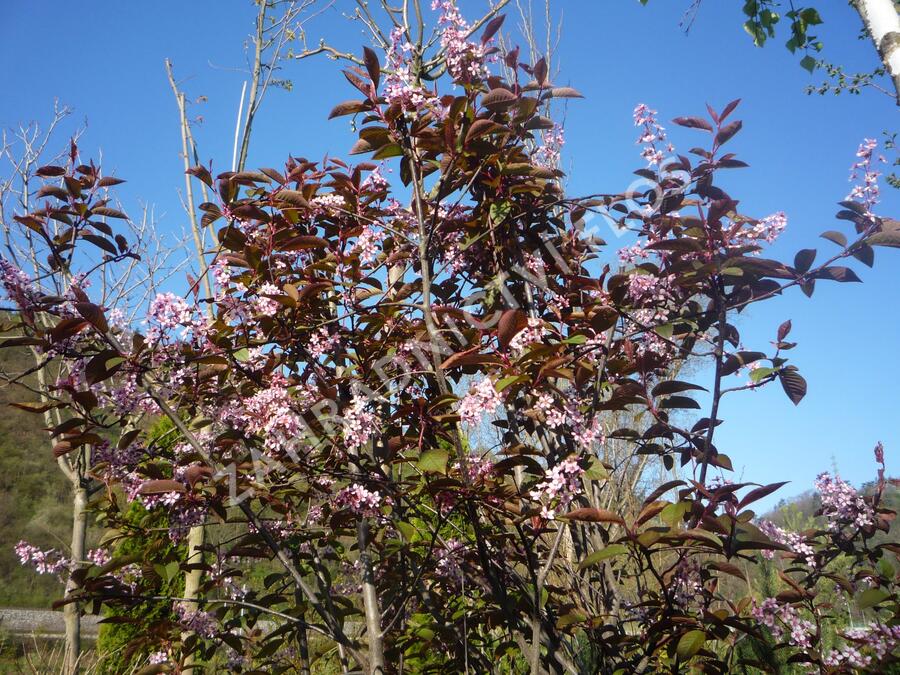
<point>33,495</point>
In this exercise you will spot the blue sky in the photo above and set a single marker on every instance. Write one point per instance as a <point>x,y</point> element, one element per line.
<point>107,63</point>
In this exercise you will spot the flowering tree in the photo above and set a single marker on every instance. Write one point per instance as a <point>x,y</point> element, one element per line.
<point>401,402</point>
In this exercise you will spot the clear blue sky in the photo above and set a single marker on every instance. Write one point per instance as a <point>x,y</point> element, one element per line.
<point>105,59</point>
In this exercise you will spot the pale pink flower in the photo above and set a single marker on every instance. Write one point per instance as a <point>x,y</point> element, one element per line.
<point>482,399</point>
<point>560,486</point>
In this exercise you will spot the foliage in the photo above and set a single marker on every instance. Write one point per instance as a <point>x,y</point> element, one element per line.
<point>404,389</point>
<point>123,636</point>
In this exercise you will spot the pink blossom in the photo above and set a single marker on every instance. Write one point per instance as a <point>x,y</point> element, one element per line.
<point>271,412</point>
<point>877,638</point>
<point>327,203</point>
<point>648,288</point>
<point>448,560</point>
<point>465,60</point>
<point>321,342</point>
<point>367,244</point>
<point>374,182</point>
<point>794,541</point>
<point>399,86</point>
<point>653,135</point>
<point>359,499</point>
<point>867,190</point>
<point>784,619</point>
<point>48,561</point>
<point>553,416</point>
<point>359,424</point>
<point>687,584</point>
<point>549,153</point>
<point>167,311</point>
<point>476,468</point>
<point>266,306</point>
<point>842,504</point>
<point>17,285</point>
<point>629,255</point>
<point>482,399</point>
<point>99,556</point>
<point>202,623</point>
<point>560,486</point>
<point>532,333</point>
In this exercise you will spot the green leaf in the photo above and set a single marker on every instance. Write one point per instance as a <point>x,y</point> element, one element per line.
<point>871,597</point>
<point>690,643</point>
<point>808,63</point>
<point>603,554</point>
<point>596,470</point>
<point>407,531</point>
<point>434,461</point>
<point>760,374</point>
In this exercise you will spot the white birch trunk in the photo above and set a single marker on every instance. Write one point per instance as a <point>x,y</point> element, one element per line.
<point>882,22</point>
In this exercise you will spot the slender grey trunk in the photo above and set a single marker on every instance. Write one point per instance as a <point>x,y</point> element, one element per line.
<point>72,611</point>
<point>370,601</point>
<point>192,580</point>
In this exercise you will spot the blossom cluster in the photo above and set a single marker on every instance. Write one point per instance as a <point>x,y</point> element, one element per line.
<point>653,135</point>
<point>842,504</point>
<point>585,432</point>
<point>794,541</point>
<point>321,342</point>
<point>359,499</point>
<point>375,181</point>
<point>475,468</point>
<point>866,189</point>
<point>482,399</point>
<point>448,560</point>
<point>687,583</point>
<point>200,622</point>
<point>17,284</point>
<point>167,311</point>
<point>327,203</point>
<point>549,153</point>
<point>560,486</point>
<point>359,423</point>
<point>532,333</point>
<point>783,619</point>
<point>367,243</point>
<point>751,233</point>
<point>553,415</point>
<point>878,638</point>
<point>400,89</point>
<point>48,561</point>
<point>643,288</point>
<point>271,412</point>
<point>465,60</point>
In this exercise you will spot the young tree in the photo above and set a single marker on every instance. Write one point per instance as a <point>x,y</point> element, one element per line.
<point>408,394</point>
<point>122,281</point>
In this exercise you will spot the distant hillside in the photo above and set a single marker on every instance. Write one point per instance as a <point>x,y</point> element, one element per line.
<point>33,495</point>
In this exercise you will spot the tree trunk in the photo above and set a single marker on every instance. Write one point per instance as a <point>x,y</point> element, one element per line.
<point>883,25</point>
<point>370,602</point>
<point>72,611</point>
<point>192,579</point>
